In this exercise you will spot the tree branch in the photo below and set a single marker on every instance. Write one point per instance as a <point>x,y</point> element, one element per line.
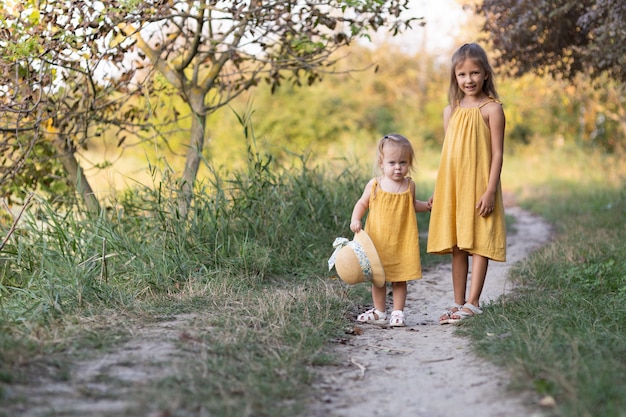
<point>16,219</point>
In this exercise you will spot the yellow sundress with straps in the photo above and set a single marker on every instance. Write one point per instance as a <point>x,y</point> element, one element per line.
<point>392,225</point>
<point>462,179</point>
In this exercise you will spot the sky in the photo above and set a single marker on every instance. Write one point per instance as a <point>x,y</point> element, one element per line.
<point>444,20</point>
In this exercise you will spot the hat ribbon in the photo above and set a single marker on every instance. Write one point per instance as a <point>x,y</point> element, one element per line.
<point>359,251</point>
<point>339,243</point>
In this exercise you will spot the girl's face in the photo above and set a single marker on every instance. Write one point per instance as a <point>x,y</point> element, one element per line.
<point>395,163</point>
<point>470,77</point>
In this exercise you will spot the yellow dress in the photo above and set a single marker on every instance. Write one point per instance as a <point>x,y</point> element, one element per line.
<point>462,179</point>
<point>392,225</point>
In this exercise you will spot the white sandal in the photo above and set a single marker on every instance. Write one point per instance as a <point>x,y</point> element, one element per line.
<point>397,319</point>
<point>447,315</point>
<point>464,314</point>
<point>372,316</point>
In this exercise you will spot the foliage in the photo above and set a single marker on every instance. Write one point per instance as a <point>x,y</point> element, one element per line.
<point>56,94</point>
<point>565,37</point>
<point>571,40</point>
<point>67,86</point>
<point>60,262</point>
<point>249,263</point>
<point>30,165</point>
<point>344,116</point>
<point>219,50</point>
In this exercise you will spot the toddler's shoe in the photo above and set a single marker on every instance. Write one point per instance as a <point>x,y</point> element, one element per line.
<point>397,319</point>
<point>372,316</point>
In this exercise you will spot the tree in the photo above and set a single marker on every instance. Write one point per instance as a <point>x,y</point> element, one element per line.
<point>569,39</point>
<point>210,51</point>
<point>561,37</point>
<point>52,97</point>
<point>31,139</point>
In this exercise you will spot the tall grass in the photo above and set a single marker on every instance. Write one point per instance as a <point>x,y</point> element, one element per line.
<point>249,260</point>
<point>563,333</point>
<point>265,222</point>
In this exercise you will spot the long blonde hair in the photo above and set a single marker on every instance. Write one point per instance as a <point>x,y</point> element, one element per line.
<point>477,54</point>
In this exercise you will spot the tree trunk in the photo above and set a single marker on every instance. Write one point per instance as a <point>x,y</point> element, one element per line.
<point>192,161</point>
<point>74,171</point>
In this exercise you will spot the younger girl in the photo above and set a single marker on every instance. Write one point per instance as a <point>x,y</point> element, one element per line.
<point>467,211</point>
<point>392,226</point>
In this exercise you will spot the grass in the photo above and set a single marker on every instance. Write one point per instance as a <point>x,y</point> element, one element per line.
<point>248,265</point>
<point>258,361</point>
<point>562,332</point>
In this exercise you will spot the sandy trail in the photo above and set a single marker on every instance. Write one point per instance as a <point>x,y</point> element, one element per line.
<point>424,369</point>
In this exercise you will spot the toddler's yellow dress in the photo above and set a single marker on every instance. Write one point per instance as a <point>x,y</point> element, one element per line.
<point>462,179</point>
<point>392,226</point>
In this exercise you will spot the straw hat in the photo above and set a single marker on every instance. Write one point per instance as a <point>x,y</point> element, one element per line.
<point>357,261</point>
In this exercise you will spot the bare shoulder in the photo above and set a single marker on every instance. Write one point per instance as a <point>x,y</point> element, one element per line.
<point>493,111</point>
<point>371,182</point>
<point>369,185</point>
<point>493,107</point>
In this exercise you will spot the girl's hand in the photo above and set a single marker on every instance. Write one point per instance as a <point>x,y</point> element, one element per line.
<point>355,226</point>
<point>487,204</point>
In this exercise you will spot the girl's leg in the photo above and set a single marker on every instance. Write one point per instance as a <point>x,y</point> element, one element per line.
<point>479,273</point>
<point>460,268</point>
<point>378,314</point>
<point>399,298</point>
<point>379,296</point>
<point>399,295</point>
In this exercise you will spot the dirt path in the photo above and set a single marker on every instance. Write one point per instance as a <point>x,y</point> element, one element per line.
<point>101,385</point>
<point>424,370</point>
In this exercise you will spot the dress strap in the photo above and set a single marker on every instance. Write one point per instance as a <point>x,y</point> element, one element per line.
<point>489,100</point>
<point>411,187</point>
<point>375,185</point>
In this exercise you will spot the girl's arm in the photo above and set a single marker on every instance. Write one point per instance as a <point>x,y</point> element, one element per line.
<point>496,121</point>
<point>360,208</point>
<point>447,113</point>
<point>420,206</point>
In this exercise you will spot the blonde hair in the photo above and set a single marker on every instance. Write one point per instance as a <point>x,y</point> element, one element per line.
<point>398,140</point>
<point>477,54</point>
